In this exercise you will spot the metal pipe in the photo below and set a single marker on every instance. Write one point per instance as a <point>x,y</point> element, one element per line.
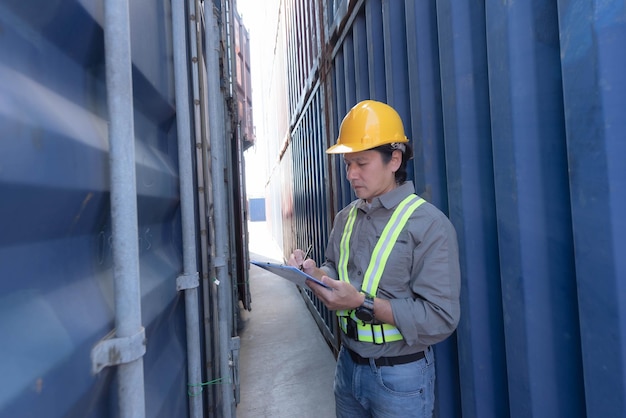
<point>189,278</point>
<point>229,54</point>
<point>195,10</point>
<point>217,140</point>
<point>131,396</point>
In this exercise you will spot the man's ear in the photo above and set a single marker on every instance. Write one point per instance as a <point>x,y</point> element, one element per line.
<point>396,159</point>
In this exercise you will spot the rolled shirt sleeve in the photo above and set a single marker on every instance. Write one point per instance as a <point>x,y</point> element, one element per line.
<point>433,313</point>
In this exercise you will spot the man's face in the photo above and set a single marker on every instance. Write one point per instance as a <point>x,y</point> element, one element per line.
<point>369,175</point>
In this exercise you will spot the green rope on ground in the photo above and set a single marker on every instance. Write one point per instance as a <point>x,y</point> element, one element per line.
<point>217,381</point>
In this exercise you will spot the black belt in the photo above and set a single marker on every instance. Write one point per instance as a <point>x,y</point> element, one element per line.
<point>386,361</point>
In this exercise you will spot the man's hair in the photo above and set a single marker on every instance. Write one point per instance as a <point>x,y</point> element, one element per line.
<point>387,150</point>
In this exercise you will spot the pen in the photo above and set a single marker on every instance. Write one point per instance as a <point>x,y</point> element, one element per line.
<point>306,255</point>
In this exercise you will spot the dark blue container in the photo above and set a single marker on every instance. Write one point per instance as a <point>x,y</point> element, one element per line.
<point>56,294</point>
<point>56,267</point>
<point>516,115</point>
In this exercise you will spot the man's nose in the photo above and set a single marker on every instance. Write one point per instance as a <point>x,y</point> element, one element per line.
<point>351,174</point>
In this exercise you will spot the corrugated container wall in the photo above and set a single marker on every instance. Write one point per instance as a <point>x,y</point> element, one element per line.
<point>274,117</point>
<point>516,111</point>
<point>244,81</point>
<point>59,256</point>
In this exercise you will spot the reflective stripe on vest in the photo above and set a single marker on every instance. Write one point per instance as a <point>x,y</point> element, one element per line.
<point>371,333</point>
<point>377,334</point>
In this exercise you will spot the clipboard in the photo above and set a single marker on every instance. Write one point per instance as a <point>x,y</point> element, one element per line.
<point>291,273</point>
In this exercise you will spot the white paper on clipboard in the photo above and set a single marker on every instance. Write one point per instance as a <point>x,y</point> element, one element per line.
<point>291,273</point>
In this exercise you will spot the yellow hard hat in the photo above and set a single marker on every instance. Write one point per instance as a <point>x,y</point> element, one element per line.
<point>367,125</point>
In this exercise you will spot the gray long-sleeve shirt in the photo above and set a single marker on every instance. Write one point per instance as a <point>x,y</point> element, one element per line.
<point>421,278</point>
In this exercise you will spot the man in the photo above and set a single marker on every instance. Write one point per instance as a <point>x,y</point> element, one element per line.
<point>392,266</point>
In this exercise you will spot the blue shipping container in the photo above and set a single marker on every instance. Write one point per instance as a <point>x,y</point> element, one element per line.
<point>516,114</point>
<point>58,246</point>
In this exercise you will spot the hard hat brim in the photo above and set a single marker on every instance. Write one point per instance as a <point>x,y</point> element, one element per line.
<point>341,149</point>
<point>345,149</point>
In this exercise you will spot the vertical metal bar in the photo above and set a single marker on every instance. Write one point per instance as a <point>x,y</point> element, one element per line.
<point>203,185</point>
<point>396,64</point>
<point>429,165</point>
<point>344,193</point>
<point>216,133</point>
<point>360,49</point>
<point>123,200</point>
<point>183,124</point>
<point>229,48</point>
<point>349,70</point>
<point>376,51</point>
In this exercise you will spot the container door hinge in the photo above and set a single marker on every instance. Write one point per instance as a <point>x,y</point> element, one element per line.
<point>235,344</point>
<point>187,281</point>
<point>113,351</point>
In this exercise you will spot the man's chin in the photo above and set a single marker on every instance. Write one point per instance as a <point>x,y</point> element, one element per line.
<point>360,194</point>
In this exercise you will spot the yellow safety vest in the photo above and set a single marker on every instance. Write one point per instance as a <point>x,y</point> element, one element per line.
<point>374,333</point>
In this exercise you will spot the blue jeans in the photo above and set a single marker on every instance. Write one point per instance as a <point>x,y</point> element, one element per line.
<point>404,390</point>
